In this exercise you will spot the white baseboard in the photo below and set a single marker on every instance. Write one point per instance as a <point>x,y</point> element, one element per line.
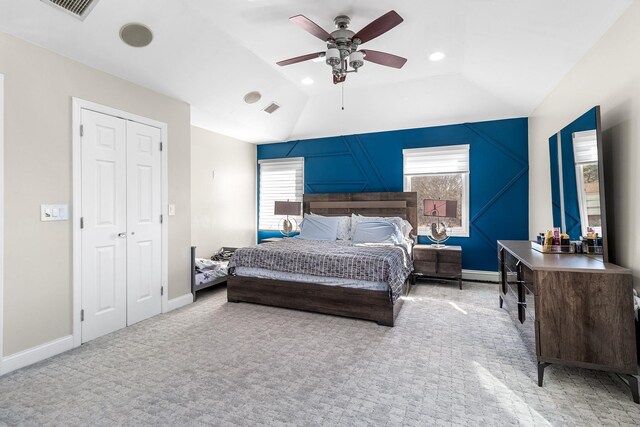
<point>178,302</point>
<point>481,276</point>
<point>36,354</point>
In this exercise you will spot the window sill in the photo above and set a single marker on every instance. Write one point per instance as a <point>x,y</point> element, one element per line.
<point>455,233</point>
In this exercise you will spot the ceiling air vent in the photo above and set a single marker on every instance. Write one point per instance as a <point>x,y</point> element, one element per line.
<point>271,108</point>
<point>78,8</point>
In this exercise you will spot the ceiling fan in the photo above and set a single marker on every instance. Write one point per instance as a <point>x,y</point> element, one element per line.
<point>342,44</point>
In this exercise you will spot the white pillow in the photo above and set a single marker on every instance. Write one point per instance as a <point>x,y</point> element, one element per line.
<point>344,225</point>
<point>403,225</point>
<point>406,230</point>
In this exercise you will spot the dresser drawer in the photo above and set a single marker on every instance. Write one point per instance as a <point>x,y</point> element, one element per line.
<point>447,256</point>
<point>425,255</point>
<point>449,269</point>
<point>425,267</point>
<point>510,262</point>
<point>530,309</point>
<point>528,280</point>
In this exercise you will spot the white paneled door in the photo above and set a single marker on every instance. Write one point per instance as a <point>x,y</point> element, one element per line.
<point>104,217</point>
<point>121,228</point>
<point>144,245</point>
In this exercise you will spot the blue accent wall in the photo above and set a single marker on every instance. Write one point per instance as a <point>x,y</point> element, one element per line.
<point>498,176</point>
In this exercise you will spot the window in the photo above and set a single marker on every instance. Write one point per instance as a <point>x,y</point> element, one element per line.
<point>440,173</point>
<point>280,180</point>
<point>585,152</point>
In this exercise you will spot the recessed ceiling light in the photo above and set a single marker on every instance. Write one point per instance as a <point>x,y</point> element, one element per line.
<point>436,56</point>
<point>307,81</point>
<point>136,35</point>
<point>252,97</point>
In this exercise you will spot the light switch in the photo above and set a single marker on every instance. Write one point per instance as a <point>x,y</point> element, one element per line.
<point>54,212</point>
<point>172,210</point>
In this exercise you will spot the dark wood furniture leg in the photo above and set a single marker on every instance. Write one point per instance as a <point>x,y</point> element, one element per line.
<point>193,272</point>
<point>633,385</point>
<point>460,283</point>
<point>501,301</point>
<point>541,366</point>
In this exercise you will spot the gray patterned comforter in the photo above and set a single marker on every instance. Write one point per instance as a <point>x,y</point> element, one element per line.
<point>342,259</point>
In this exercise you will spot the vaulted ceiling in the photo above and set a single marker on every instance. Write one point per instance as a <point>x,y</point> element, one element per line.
<point>502,58</point>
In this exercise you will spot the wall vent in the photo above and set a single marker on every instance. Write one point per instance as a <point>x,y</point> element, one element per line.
<point>78,8</point>
<point>271,108</point>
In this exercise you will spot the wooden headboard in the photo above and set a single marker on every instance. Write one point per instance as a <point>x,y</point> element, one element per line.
<point>401,204</point>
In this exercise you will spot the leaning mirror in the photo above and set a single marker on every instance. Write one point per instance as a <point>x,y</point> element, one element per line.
<point>577,185</point>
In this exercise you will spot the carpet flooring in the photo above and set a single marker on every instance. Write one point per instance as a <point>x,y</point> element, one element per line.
<point>454,358</point>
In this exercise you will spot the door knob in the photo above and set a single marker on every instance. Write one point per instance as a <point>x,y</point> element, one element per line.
<point>122,235</point>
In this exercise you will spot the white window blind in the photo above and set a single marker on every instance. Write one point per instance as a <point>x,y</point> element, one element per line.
<point>433,160</point>
<point>439,173</point>
<point>585,147</point>
<point>280,180</point>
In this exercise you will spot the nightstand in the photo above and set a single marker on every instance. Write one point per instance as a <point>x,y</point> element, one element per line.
<point>441,263</point>
<point>271,239</point>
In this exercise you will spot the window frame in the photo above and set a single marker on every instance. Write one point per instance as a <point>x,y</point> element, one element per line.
<point>260,181</point>
<point>582,199</point>
<point>463,230</point>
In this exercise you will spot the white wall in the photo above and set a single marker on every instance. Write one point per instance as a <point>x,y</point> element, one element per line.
<point>39,86</point>
<point>223,209</point>
<point>609,76</point>
<point>1,213</point>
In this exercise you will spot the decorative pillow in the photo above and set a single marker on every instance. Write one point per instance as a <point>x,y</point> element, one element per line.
<point>377,232</point>
<point>406,230</point>
<point>344,226</point>
<point>319,228</point>
<point>403,225</point>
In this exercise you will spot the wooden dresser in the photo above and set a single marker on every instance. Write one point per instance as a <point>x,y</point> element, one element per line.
<point>570,309</point>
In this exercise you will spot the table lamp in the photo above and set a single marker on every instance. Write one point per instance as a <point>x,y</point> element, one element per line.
<point>287,226</point>
<point>440,209</point>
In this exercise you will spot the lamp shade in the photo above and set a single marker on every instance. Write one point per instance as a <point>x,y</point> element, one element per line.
<point>287,208</point>
<point>332,57</point>
<point>441,208</point>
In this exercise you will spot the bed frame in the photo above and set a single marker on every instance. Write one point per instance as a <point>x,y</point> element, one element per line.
<point>194,287</point>
<point>359,303</point>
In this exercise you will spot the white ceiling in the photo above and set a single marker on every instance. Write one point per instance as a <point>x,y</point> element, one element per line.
<point>503,58</point>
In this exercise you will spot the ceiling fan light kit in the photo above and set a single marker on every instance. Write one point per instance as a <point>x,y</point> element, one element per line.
<point>342,53</point>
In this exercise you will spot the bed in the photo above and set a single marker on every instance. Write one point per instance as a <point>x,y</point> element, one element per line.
<point>207,272</point>
<point>349,294</point>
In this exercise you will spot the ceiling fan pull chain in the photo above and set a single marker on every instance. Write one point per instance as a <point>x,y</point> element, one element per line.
<point>342,84</point>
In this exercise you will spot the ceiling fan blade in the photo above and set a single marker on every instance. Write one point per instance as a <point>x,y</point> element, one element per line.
<point>379,26</point>
<point>300,59</point>
<point>383,58</point>
<point>311,27</point>
<point>339,79</point>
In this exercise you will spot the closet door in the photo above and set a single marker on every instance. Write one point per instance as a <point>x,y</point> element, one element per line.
<point>144,239</point>
<point>104,244</point>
